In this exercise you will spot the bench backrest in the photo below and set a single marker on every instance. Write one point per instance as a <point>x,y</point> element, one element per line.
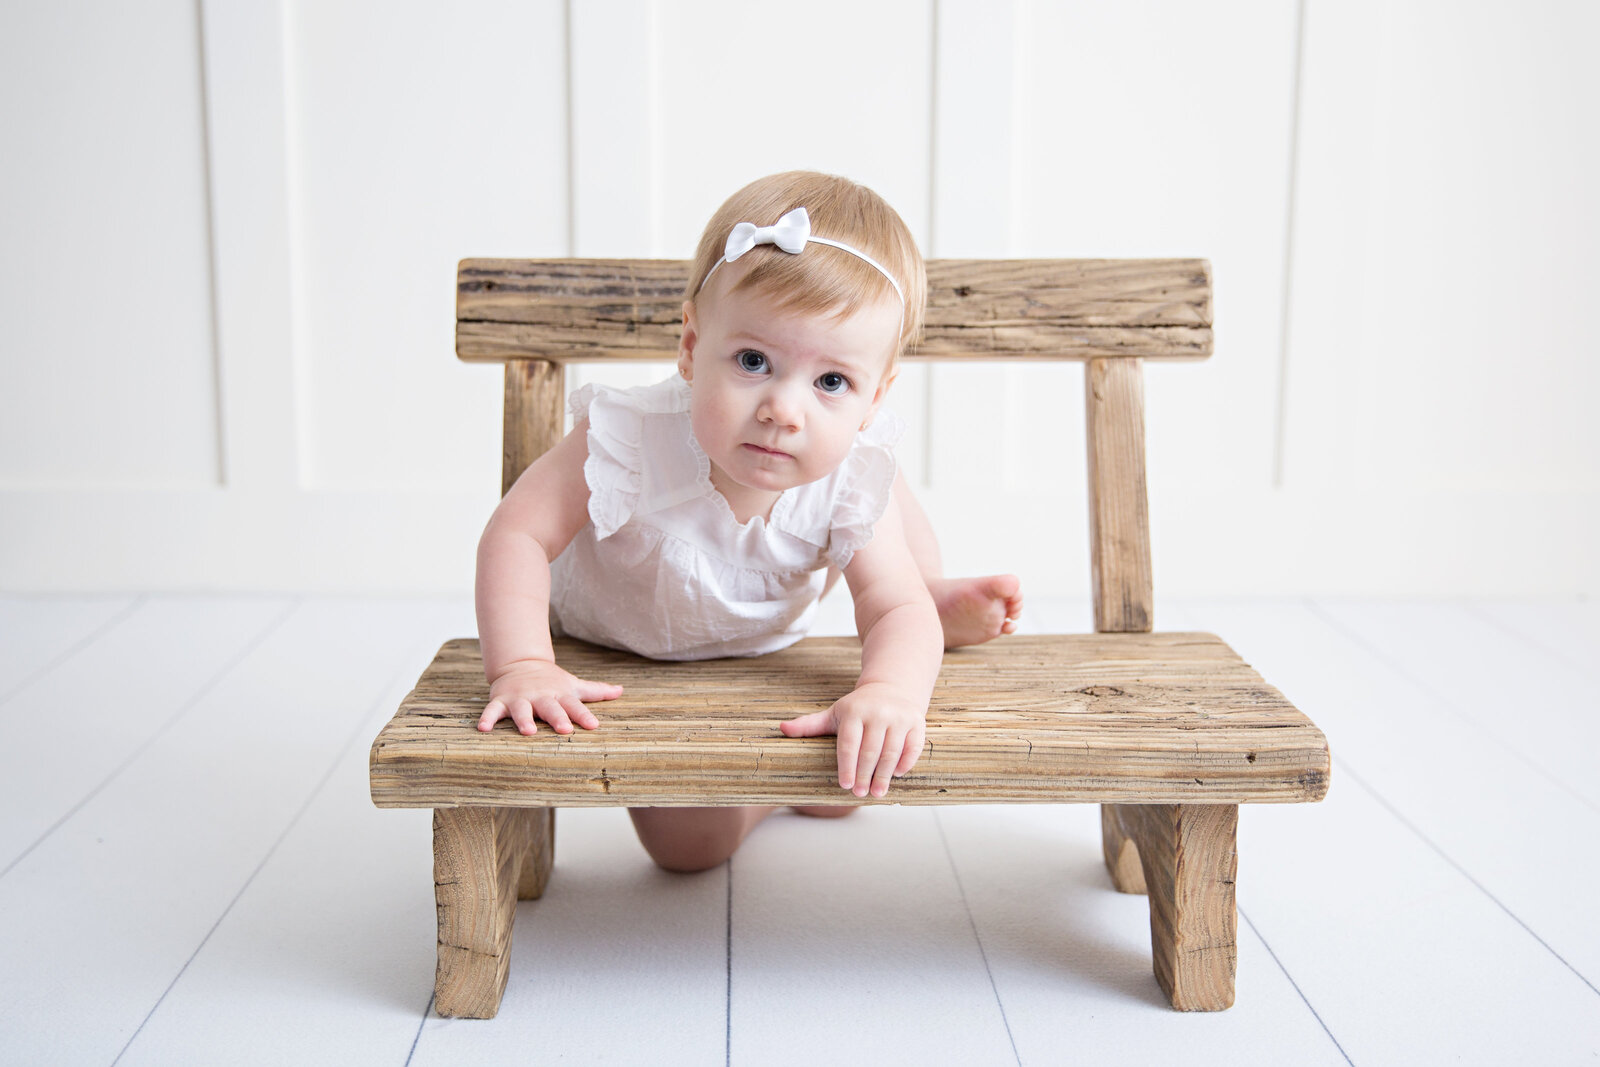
<point>536,315</point>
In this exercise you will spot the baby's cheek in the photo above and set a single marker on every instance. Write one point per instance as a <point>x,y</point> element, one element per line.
<point>831,453</point>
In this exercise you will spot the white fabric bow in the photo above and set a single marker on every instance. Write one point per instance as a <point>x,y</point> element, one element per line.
<point>788,233</point>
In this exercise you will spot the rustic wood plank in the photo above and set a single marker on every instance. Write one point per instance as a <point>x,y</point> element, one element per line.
<point>1119,513</point>
<point>539,851</point>
<point>477,863</point>
<point>1154,718</point>
<point>535,391</point>
<point>1122,853</point>
<point>1189,858</point>
<point>570,310</point>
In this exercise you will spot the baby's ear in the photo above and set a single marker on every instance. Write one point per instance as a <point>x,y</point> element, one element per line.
<point>877,397</point>
<point>686,343</point>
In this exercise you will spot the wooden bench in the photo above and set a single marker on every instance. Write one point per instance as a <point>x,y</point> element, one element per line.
<point>1169,732</point>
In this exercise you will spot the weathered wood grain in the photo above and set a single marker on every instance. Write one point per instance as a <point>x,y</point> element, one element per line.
<point>1119,512</point>
<point>1188,862</point>
<point>1115,718</point>
<point>477,860</point>
<point>570,310</point>
<point>1121,852</point>
<point>535,394</point>
<point>539,853</point>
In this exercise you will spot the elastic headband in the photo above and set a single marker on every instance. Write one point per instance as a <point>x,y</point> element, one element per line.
<point>790,233</point>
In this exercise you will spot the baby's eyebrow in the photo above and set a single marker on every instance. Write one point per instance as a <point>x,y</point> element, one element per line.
<point>853,370</point>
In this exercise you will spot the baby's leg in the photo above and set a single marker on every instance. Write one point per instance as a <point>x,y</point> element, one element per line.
<point>694,839</point>
<point>972,610</point>
<point>826,811</point>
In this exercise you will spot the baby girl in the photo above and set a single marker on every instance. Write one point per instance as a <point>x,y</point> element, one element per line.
<point>704,516</point>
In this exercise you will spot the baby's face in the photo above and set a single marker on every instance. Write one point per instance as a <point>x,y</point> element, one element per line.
<point>777,397</point>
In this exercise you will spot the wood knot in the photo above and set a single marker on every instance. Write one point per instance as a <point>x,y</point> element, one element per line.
<point>963,290</point>
<point>1101,691</point>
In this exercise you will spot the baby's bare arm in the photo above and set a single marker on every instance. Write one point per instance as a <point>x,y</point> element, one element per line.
<point>538,518</point>
<point>880,723</point>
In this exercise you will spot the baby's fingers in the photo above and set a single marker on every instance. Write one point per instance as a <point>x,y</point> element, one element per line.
<point>817,722</point>
<point>550,710</point>
<point>522,715</point>
<point>492,714</point>
<point>912,750</point>
<point>578,713</point>
<point>518,711</point>
<point>887,762</point>
<point>847,746</point>
<point>587,690</point>
<point>871,749</point>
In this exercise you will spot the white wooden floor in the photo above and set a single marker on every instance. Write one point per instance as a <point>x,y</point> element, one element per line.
<point>191,870</point>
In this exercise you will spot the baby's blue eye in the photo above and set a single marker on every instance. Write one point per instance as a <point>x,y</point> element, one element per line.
<point>754,362</point>
<point>834,384</point>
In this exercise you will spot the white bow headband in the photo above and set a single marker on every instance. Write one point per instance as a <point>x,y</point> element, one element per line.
<point>789,233</point>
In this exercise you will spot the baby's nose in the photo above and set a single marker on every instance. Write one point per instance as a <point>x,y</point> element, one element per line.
<point>784,407</point>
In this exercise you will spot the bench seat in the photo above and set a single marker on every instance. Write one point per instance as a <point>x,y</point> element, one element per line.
<point>1169,732</point>
<point>1107,718</point>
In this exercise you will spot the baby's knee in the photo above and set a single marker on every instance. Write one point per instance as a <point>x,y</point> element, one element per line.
<point>681,860</point>
<point>686,840</point>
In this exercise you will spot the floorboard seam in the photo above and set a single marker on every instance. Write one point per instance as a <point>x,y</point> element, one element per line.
<point>364,724</point>
<point>1447,704</point>
<point>1526,638</point>
<point>83,643</point>
<point>420,1024</point>
<point>1297,989</point>
<point>198,695</point>
<point>1344,768</point>
<point>972,922</point>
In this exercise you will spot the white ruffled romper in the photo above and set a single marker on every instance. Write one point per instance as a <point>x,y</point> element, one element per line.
<point>663,569</point>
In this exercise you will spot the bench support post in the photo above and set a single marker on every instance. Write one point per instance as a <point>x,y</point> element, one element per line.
<point>1185,856</point>
<point>484,861</point>
<point>1119,510</point>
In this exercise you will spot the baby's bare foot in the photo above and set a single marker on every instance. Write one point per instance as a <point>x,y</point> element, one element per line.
<point>825,811</point>
<point>975,610</point>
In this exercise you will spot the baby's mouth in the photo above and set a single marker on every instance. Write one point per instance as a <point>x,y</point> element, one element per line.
<point>768,451</point>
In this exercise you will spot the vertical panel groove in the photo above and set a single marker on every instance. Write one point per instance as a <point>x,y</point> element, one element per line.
<point>653,133</point>
<point>572,178</point>
<point>299,378</point>
<point>1280,415</point>
<point>930,376</point>
<point>933,127</point>
<point>218,410</point>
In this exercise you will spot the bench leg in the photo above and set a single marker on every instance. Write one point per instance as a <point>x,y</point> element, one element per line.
<point>1185,856</point>
<point>484,859</point>
<point>540,852</point>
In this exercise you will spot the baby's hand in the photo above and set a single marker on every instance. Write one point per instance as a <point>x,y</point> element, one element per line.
<point>531,687</point>
<point>880,735</point>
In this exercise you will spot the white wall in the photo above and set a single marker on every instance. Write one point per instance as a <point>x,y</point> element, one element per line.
<point>228,238</point>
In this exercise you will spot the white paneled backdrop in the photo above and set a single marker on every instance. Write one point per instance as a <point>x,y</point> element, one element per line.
<point>228,237</point>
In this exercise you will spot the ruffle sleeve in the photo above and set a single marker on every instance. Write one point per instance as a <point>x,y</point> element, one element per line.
<point>614,470</point>
<point>866,481</point>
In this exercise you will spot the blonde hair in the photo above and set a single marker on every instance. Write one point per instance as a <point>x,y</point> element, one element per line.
<point>821,279</point>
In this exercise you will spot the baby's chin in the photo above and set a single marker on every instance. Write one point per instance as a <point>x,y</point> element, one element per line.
<point>774,481</point>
